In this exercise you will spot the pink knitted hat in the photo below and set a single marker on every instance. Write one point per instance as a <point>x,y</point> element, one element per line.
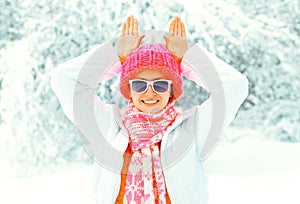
<point>151,57</point>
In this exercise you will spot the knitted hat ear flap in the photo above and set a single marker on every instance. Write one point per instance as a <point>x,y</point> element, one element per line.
<point>154,57</point>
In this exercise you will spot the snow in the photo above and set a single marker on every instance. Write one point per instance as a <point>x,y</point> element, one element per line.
<point>254,171</point>
<point>247,171</point>
<point>62,186</point>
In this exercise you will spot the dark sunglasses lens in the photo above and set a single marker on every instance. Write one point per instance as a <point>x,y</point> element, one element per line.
<point>161,86</point>
<point>139,86</point>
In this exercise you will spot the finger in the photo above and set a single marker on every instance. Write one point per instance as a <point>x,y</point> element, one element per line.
<point>166,39</point>
<point>123,30</point>
<point>183,30</point>
<point>179,28</point>
<point>176,26</point>
<point>140,39</point>
<point>131,25</point>
<point>135,28</point>
<point>171,29</point>
<point>127,25</point>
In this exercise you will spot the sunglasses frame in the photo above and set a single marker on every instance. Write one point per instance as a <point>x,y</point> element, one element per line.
<point>150,83</point>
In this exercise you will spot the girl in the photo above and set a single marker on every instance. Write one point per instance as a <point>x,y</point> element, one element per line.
<point>150,152</point>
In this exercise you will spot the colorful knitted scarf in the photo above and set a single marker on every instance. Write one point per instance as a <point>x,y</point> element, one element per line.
<point>145,180</point>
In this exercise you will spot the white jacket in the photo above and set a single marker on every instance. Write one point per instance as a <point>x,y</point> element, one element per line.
<point>190,139</point>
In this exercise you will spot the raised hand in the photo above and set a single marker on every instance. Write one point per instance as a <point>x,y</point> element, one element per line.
<point>129,39</point>
<point>176,41</point>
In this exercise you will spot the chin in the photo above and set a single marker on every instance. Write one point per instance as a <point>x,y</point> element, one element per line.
<point>152,110</point>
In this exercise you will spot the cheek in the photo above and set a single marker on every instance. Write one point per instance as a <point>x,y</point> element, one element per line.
<point>167,97</point>
<point>134,98</point>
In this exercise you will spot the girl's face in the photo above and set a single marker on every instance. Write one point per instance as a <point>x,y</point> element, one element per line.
<point>150,101</point>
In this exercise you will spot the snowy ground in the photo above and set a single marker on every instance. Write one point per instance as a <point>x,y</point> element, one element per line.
<point>248,171</point>
<point>253,171</point>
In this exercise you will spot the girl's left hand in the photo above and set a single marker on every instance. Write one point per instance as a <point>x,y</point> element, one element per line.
<point>176,41</point>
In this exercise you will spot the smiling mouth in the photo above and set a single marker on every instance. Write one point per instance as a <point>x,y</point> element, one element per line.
<point>150,102</point>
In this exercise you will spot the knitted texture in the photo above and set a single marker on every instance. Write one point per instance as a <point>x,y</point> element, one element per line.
<point>155,57</point>
<point>145,179</point>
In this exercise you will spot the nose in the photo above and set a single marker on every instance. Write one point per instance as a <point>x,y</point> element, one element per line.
<point>150,90</point>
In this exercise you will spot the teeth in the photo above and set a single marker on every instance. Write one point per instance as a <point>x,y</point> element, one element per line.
<point>150,102</point>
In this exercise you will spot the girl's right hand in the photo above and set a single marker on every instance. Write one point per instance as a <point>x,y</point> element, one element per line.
<point>129,39</point>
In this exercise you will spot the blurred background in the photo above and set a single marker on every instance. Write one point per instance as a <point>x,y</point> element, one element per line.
<point>258,157</point>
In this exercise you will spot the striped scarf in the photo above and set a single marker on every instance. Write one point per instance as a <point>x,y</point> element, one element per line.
<point>145,180</point>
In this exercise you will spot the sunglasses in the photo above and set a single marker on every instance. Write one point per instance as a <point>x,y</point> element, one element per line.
<point>159,86</point>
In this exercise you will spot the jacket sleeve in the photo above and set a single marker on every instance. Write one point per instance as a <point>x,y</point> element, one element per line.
<point>74,83</point>
<point>228,89</point>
